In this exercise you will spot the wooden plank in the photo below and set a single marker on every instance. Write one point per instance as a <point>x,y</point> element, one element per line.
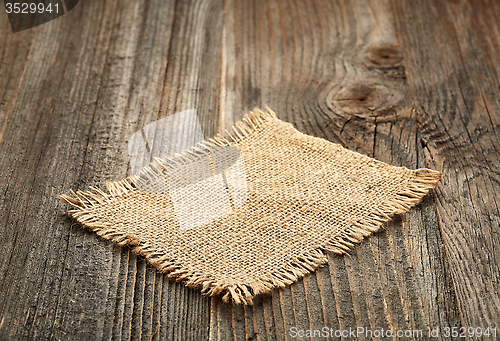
<point>73,91</point>
<point>456,86</point>
<point>80,86</point>
<point>36,144</point>
<point>336,70</point>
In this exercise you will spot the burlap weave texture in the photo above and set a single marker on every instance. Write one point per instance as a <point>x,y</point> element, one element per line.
<point>294,198</point>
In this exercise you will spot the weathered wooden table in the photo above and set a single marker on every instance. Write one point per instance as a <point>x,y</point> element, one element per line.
<point>411,83</point>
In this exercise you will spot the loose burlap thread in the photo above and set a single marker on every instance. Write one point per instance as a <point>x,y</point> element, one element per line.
<point>305,196</point>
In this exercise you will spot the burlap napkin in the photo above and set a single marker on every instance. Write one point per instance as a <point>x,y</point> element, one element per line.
<point>255,210</point>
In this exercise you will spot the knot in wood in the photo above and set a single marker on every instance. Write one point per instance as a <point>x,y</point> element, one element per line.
<point>387,59</point>
<point>365,100</point>
<point>386,56</point>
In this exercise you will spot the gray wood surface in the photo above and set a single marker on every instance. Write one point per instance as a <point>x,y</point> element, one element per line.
<point>411,83</point>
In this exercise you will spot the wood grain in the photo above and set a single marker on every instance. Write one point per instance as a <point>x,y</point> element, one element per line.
<point>457,92</point>
<point>412,84</point>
